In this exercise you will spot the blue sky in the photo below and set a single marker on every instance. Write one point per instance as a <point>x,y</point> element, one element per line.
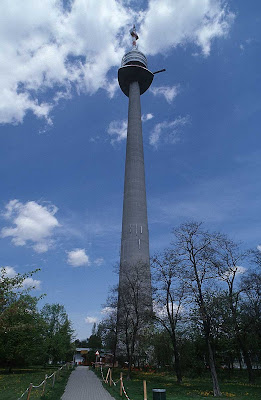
<point>63,127</point>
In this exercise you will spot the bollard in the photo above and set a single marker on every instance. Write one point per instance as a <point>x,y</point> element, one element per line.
<point>159,394</point>
<point>121,385</point>
<point>29,391</point>
<point>145,390</point>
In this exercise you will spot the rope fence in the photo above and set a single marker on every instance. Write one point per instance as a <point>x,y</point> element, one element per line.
<point>43,383</point>
<point>110,381</point>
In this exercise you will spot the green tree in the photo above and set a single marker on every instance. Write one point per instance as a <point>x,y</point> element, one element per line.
<point>94,342</point>
<point>25,345</point>
<point>134,316</point>
<point>162,349</point>
<point>250,312</point>
<point>59,333</point>
<point>21,327</point>
<point>194,248</point>
<point>228,259</point>
<point>169,295</point>
<point>107,328</point>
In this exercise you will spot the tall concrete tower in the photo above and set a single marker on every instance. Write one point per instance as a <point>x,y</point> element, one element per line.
<point>134,79</point>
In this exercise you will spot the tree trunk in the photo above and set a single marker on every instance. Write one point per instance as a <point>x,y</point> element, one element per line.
<point>129,369</point>
<point>176,356</point>
<point>177,366</point>
<point>247,360</point>
<point>248,363</point>
<point>114,349</point>
<point>216,389</point>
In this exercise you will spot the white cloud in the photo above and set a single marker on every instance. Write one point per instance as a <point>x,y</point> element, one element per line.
<point>9,271</point>
<point>32,223</point>
<point>259,247</point>
<point>238,270</point>
<point>169,23</point>
<point>112,87</point>
<point>108,310</point>
<point>161,310</point>
<point>98,261</point>
<point>91,320</point>
<point>147,117</point>
<point>169,92</point>
<point>27,283</point>
<point>45,45</point>
<point>118,130</point>
<point>30,282</point>
<point>77,258</point>
<point>171,127</point>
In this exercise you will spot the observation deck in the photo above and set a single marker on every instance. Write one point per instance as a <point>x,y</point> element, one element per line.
<point>134,69</point>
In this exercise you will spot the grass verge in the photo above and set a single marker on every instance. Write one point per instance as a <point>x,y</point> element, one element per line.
<point>13,385</point>
<point>236,387</point>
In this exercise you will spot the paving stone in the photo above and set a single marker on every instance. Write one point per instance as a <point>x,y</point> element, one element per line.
<point>83,384</point>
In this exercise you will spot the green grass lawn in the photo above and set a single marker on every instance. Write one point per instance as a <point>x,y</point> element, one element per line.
<point>236,387</point>
<point>13,385</point>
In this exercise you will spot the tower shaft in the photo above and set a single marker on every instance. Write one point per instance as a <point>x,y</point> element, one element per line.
<point>134,297</point>
<point>135,235</point>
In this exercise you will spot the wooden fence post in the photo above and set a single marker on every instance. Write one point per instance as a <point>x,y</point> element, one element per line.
<point>145,390</point>
<point>44,383</point>
<point>110,378</point>
<point>121,385</point>
<point>107,376</point>
<point>53,379</point>
<point>29,391</point>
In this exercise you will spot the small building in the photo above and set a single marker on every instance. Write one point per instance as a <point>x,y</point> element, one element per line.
<point>80,355</point>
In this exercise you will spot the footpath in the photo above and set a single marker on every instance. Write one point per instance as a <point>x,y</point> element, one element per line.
<point>83,384</point>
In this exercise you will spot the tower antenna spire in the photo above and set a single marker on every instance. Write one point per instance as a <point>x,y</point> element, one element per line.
<point>134,36</point>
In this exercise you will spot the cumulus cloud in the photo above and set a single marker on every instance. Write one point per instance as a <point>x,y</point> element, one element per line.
<point>238,270</point>
<point>169,92</point>
<point>108,310</point>
<point>118,130</point>
<point>259,247</point>
<point>178,22</point>
<point>91,320</point>
<point>9,271</point>
<point>47,47</point>
<point>30,282</point>
<point>27,283</point>
<point>172,128</point>
<point>77,258</point>
<point>32,223</point>
<point>147,117</point>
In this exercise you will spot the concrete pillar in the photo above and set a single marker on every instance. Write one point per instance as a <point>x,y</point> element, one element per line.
<point>135,235</point>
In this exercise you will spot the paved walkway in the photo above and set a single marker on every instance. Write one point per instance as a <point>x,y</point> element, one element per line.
<point>83,384</point>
